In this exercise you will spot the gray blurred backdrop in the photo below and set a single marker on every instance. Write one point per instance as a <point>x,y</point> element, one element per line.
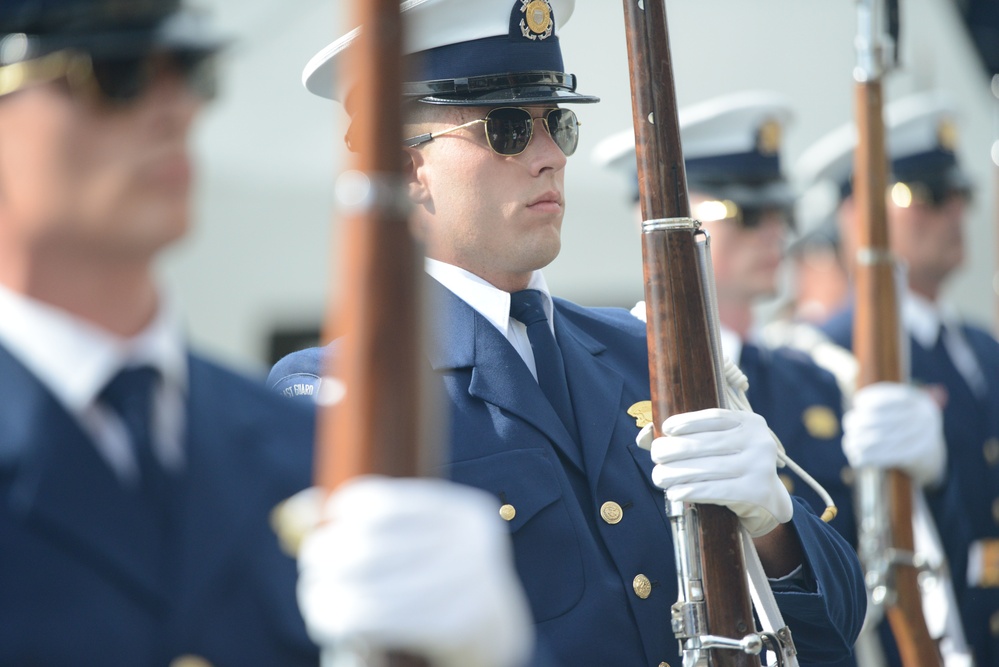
<point>259,257</point>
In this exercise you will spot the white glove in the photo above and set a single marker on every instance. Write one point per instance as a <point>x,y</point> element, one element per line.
<point>721,457</point>
<point>422,566</point>
<point>895,425</point>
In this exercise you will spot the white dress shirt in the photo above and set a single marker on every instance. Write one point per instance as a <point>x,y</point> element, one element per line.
<point>923,320</point>
<point>494,304</point>
<point>75,360</point>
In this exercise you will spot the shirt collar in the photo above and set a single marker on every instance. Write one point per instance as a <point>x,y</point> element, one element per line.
<point>731,344</point>
<point>75,359</point>
<point>490,301</point>
<point>923,318</point>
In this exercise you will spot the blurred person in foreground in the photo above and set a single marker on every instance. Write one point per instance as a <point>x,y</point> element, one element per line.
<point>137,477</point>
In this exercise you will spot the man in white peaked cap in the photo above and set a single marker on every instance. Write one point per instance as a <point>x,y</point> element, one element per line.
<point>955,362</point>
<point>539,389</point>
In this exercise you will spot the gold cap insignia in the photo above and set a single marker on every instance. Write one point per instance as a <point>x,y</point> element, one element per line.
<point>537,22</point>
<point>642,412</point>
<point>768,141</point>
<point>990,563</point>
<point>820,422</point>
<point>947,135</point>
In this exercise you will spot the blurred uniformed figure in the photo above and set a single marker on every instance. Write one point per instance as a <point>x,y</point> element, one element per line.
<point>545,395</point>
<point>137,477</point>
<point>819,287</point>
<point>954,361</point>
<point>731,147</point>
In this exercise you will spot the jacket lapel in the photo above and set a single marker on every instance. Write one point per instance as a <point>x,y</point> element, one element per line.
<point>215,509</point>
<point>595,389</point>
<point>465,339</point>
<point>62,489</point>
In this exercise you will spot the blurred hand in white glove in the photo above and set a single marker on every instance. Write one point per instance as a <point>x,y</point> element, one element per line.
<point>894,425</point>
<point>422,566</point>
<point>721,457</point>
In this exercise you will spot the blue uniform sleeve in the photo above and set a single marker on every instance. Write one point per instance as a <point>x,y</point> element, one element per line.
<point>825,615</point>
<point>298,375</point>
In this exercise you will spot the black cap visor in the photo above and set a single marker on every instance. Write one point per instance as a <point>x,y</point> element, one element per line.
<point>499,90</point>
<point>182,31</point>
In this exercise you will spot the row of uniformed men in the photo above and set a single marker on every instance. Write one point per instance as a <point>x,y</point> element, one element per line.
<point>737,188</point>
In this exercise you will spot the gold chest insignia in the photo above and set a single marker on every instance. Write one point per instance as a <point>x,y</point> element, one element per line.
<point>537,22</point>
<point>820,422</point>
<point>642,412</point>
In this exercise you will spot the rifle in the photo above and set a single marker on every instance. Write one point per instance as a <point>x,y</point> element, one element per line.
<point>713,619</point>
<point>884,496</point>
<point>376,427</point>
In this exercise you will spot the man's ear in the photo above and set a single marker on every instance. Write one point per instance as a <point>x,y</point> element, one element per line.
<point>415,176</point>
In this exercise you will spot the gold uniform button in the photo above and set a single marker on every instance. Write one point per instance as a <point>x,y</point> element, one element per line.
<point>663,664</point>
<point>994,624</point>
<point>190,661</point>
<point>642,586</point>
<point>820,422</point>
<point>611,512</point>
<point>991,451</point>
<point>787,482</point>
<point>507,512</point>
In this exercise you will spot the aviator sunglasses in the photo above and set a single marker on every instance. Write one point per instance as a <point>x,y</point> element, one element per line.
<point>509,130</point>
<point>115,80</point>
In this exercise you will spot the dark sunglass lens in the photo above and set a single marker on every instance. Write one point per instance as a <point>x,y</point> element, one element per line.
<point>122,79</point>
<point>564,128</point>
<point>508,130</point>
<point>126,79</point>
<point>751,218</point>
<point>199,71</point>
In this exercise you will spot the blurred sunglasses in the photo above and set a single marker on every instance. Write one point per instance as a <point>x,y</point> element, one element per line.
<point>747,217</point>
<point>509,130</point>
<point>934,195</point>
<point>116,80</point>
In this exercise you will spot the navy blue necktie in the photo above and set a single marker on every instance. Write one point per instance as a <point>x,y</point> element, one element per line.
<point>130,395</point>
<point>526,307</point>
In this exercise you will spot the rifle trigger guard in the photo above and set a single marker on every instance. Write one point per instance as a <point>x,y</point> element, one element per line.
<point>670,225</point>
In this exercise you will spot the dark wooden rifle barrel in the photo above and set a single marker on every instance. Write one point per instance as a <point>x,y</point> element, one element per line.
<point>877,345</point>
<point>680,354</point>
<point>376,428</point>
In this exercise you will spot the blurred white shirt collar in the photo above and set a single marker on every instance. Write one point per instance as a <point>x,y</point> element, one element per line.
<point>75,360</point>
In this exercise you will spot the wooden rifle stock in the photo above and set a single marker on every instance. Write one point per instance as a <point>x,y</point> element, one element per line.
<point>877,345</point>
<point>681,361</point>
<point>376,427</point>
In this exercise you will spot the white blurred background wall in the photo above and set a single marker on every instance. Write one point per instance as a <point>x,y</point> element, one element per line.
<point>259,256</point>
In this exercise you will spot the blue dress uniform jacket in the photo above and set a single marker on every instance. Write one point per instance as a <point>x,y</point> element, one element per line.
<point>803,405</point>
<point>590,534</point>
<point>80,582</point>
<point>966,508</point>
